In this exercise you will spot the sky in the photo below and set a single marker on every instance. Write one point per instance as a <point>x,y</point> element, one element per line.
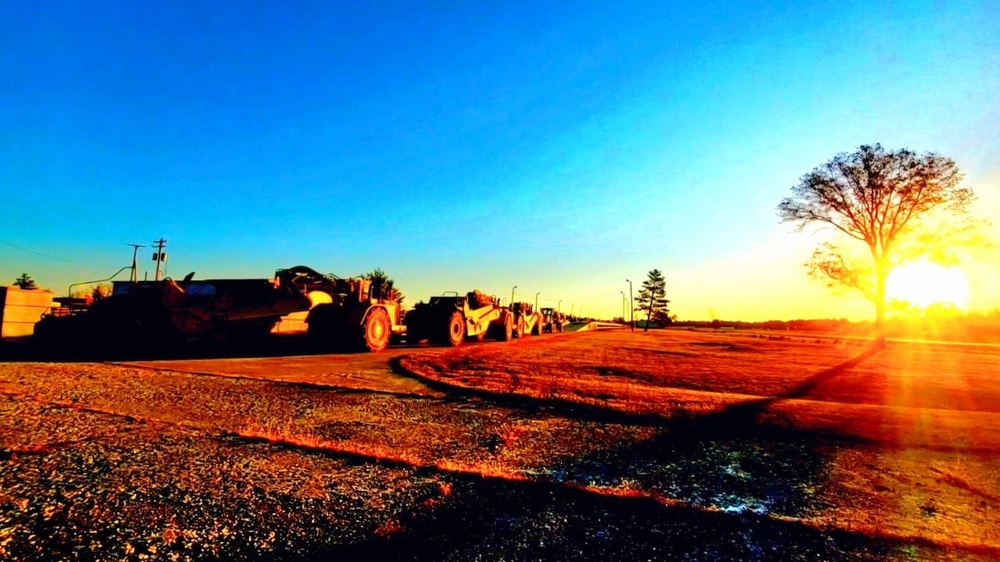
<point>561,148</point>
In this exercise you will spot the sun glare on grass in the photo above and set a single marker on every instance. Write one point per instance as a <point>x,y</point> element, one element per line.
<point>923,284</point>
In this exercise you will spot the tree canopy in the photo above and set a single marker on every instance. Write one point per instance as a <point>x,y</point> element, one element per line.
<point>384,287</point>
<point>25,282</point>
<point>895,203</point>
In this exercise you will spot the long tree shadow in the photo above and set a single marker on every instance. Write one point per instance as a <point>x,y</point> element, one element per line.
<point>741,470</point>
<point>729,459</point>
<point>809,384</point>
<point>530,404</point>
<point>729,419</point>
<point>735,420</point>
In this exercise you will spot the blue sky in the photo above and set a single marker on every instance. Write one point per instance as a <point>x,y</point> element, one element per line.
<point>560,148</point>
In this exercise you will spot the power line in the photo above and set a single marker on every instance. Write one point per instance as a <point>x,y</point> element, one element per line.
<point>569,299</point>
<point>15,246</point>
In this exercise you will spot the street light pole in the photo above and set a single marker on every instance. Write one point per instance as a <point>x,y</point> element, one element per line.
<point>559,307</point>
<point>631,305</point>
<point>512,296</point>
<point>536,301</point>
<point>623,306</point>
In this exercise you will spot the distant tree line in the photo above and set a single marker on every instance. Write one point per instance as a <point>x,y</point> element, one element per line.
<point>935,324</point>
<point>822,325</point>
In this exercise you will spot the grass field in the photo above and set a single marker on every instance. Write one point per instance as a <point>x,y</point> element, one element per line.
<point>598,445</point>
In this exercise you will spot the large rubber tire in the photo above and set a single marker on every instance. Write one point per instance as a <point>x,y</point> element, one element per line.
<point>377,330</point>
<point>455,330</point>
<point>508,330</point>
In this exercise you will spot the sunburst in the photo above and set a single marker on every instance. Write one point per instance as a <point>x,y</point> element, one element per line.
<point>925,283</point>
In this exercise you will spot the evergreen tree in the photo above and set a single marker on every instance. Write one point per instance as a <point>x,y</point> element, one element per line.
<point>652,299</point>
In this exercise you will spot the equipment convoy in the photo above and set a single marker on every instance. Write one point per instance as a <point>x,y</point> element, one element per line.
<point>157,314</point>
<point>453,318</point>
<point>350,313</point>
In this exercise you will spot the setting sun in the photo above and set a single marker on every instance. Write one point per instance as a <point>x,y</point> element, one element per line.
<point>924,283</point>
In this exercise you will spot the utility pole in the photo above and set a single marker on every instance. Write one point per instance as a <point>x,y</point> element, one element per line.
<point>159,256</point>
<point>135,252</point>
<point>631,305</point>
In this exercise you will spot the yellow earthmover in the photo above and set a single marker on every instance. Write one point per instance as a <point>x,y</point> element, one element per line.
<point>452,318</point>
<point>526,319</point>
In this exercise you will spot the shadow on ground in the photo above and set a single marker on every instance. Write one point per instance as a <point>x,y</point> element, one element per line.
<point>271,346</point>
<point>496,520</point>
<point>733,472</point>
<point>727,460</point>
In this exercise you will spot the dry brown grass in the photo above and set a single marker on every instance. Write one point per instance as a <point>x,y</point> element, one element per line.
<point>909,395</point>
<point>924,420</point>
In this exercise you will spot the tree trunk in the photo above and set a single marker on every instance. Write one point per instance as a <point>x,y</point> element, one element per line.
<point>649,312</point>
<point>880,308</point>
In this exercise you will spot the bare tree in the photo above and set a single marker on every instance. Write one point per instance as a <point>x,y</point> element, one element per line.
<point>898,204</point>
<point>92,293</point>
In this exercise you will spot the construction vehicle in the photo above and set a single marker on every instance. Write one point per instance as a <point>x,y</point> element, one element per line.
<point>452,318</point>
<point>526,320</point>
<point>552,320</point>
<point>356,315</point>
<point>333,311</point>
